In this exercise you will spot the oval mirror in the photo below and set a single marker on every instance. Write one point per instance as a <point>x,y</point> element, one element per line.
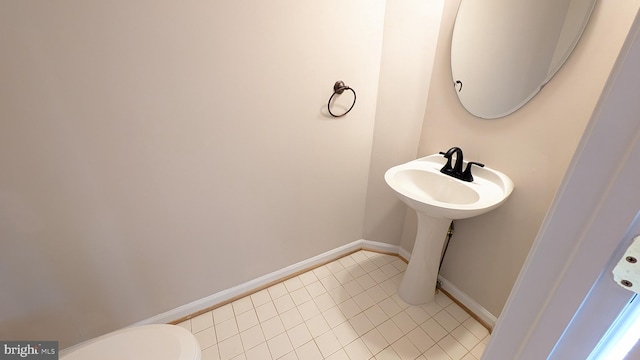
<point>504,51</point>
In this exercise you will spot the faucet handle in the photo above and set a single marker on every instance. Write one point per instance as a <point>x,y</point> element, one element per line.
<point>447,166</point>
<point>466,175</point>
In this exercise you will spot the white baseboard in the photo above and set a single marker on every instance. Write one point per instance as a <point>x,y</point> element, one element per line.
<point>380,246</point>
<point>459,295</point>
<point>255,284</point>
<point>467,301</point>
<point>404,254</point>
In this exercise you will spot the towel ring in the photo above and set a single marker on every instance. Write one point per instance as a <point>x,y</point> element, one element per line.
<point>338,88</point>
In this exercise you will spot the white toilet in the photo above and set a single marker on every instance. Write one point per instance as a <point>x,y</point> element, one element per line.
<point>148,342</point>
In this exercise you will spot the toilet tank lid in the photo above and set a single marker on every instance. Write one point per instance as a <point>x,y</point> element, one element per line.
<point>153,342</point>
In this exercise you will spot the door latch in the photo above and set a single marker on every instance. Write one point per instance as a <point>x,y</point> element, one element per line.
<point>627,272</point>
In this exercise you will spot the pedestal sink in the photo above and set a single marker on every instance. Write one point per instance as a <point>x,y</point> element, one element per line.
<point>438,199</point>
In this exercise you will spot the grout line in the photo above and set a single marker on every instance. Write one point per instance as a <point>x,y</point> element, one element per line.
<point>297,273</point>
<point>262,287</point>
<point>466,309</point>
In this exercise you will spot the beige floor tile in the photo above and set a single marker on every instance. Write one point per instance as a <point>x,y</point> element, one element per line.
<point>348,309</point>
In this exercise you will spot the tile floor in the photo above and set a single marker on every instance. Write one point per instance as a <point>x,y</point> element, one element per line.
<point>345,310</point>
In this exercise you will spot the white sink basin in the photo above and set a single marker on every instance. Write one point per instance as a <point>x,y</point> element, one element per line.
<point>438,199</point>
<point>421,185</point>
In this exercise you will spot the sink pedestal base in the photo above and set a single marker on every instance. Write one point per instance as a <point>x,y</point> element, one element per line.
<point>418,285</point>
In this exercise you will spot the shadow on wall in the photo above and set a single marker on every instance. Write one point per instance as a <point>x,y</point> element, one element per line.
<point>149,143</point>
<point>487,252</point>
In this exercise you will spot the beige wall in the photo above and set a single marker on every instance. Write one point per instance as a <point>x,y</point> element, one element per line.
<point>154,153</point>
<point>410,39</point>
<point>533,146</point>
